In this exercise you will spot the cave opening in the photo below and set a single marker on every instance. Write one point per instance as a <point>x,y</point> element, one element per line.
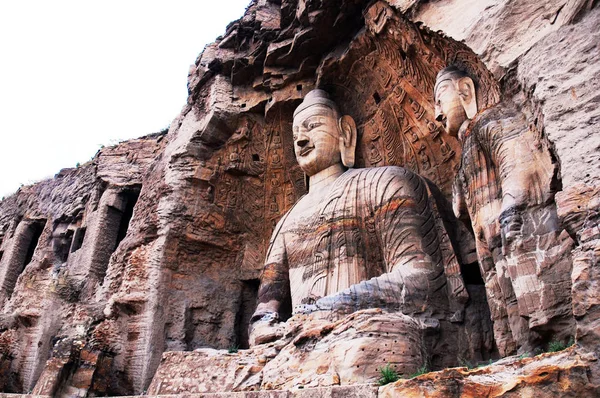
<point>61,245</point>
<point>376,97</point>
<point>113,228</point>
<point>24,248</point>
<point>35,232</point>
<point>471,274</point>
<point>78,238</point>
<point>248,296</point>
<point>130,197</point>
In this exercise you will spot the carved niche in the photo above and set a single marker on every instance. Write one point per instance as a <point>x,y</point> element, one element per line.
<point>385,80</point>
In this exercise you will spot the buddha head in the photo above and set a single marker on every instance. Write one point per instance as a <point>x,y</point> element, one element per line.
<point>322,138</point>
<point>455,98</point>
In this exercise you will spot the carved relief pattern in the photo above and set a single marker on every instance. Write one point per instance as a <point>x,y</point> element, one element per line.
<point>254,175</point>
<point>388,90</point>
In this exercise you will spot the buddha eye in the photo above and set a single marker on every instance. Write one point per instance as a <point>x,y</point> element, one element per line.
<point>312,125</point>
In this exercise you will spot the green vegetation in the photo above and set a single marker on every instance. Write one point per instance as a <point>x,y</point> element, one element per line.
<point>465,363</point>
<point>388,375</point>
<point>233,349</point>
<point>488,363</point>
<point>474,365</point>
<point>557,345</point>
<point>421,371</point>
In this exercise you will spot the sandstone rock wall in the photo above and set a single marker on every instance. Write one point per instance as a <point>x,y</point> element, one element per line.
<point>56,242</point>
<point>156,245</point>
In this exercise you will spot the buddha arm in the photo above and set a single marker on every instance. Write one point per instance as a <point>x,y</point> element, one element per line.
<point>405,226</point>
<point>525,169</point>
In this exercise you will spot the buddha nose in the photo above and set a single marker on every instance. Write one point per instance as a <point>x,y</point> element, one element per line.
<point>439,116</point>
<point>302,142</point>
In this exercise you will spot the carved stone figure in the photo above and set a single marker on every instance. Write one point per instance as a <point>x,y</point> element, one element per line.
<point>360,238</point>
<point>506,186</point>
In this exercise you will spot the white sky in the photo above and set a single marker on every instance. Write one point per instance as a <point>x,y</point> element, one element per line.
<point>75,75</point>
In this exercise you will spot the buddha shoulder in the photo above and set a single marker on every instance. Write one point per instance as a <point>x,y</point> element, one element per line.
<point>378,179</point>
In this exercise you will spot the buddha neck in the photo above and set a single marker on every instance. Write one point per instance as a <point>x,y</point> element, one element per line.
<point>325,177</point>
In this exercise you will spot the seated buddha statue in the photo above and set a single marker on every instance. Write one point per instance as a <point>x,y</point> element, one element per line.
<point>359,239</point>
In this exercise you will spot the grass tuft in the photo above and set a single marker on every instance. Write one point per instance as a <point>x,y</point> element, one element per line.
<point>421,371</point>
<point>484,364</point>
<point>557,345</point>
<point>465,363</point>
<point>388,375</point>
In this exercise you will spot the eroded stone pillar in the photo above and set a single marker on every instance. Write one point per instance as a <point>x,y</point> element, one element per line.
<point>105,229</point>
<point>18,254</point>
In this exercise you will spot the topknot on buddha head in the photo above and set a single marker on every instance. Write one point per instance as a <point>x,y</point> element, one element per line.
<point>317,97</point>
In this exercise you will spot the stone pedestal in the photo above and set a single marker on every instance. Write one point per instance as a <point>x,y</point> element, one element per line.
<point>314,352</point>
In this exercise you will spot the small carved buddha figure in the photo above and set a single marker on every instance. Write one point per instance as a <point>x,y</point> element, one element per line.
<point>360,238</point>
<point>505,186</point>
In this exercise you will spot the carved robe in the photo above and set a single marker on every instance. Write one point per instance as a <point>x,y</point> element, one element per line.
<point>505,185</point>
<point>373,241</point>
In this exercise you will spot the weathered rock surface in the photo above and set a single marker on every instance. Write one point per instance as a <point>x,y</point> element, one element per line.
<point>578,208</point>
<point>350,351</point>
<point>498,31</point>
<point>315,351</point>
<point>56,242</point>
<point>565,374</point>
<point>562,72</point>
<point>154,249</point>
<point>207,370</point>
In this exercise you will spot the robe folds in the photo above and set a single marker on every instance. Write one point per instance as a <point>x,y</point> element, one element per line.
<point>374,240</point>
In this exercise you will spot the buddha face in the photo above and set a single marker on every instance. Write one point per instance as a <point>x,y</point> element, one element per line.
<point>448,106</point>
<point>316,139</point>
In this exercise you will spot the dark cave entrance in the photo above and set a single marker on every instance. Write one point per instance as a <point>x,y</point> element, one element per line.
<point>61,245</point>
<point>78,239</point>
<point>34,232</point>
<point>113,228</point>
<point>131,197</point>
<point>471,274</point>
<point>25,245</point>
<point>248,296</point>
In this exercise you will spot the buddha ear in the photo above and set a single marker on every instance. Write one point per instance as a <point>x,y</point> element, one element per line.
<point>467,95</point>
<point>347,128</point>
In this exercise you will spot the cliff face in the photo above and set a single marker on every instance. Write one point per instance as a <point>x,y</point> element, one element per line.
<point>58,237</point>
<point>157,244</point>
